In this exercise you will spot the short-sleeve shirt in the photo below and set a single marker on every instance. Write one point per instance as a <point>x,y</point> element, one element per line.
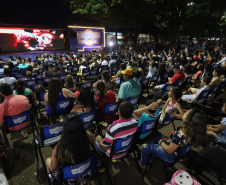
<point>177,138</point>
<point>221,137</point>
<point>23,66</point>
<point>129,89</point>
<point>109,98</point>
<point>27,92</point>
<point>147,117</point>
<point>13,105</point>
<point>119,129</point>
<point>178,76</point>
<point>8,80</point>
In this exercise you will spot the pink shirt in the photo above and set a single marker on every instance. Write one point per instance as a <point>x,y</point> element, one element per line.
<point>13,105</point>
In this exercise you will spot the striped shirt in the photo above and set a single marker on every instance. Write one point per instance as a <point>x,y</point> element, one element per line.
<point>119,129</point>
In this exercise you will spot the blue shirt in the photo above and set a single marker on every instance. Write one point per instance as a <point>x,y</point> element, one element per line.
<point>146,117</point>
<point>129,89</point>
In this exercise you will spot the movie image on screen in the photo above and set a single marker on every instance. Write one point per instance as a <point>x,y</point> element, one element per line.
<point>31,39</point>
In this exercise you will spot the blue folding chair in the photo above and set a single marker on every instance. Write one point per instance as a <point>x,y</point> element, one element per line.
<point>187,80</point>
<point>93,73</point>
<point>180,155</point>
<point>168,119</point>
<point>62,108</point>
<point>179,83</point>
<point>49,135</point>
<point>145,129</point>
<point>87,84</point>
<point>164,78</point>
<point>114,69</point>
<point>88,119</point>
<point>17,123</point>
<point>30,84</point>
<point>134,101</point>
<point>164,92</point>
<point>154,78</point>
<point>75,174</point>
<point>38,78</point>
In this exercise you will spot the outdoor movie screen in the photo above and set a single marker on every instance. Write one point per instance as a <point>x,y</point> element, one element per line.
<point>30,39</point>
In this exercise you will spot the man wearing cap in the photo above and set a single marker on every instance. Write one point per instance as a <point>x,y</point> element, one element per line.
<point>129,88</point>
<point>178,75</point>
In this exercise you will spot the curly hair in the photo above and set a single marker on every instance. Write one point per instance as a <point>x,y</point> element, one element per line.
<point>194,128</point>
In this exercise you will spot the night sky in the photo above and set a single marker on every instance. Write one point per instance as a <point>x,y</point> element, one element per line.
<point>37,12</point>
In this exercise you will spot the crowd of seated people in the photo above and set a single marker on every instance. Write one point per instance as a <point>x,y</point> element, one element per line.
<point>133,67</point>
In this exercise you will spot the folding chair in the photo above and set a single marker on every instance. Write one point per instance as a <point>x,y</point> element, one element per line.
<point>154,79</point>
<point>145,129</point>
<point>164,78</point>
<point>93,73</point>
<point>179,83</point>
<point>144,83</point>
<point>114,69</point>
<point>110,109</point>
<point>201,98</point>
<point>76,174</point>
<point>88,119</point>
<point>49,135</point>
<point>134,101</point>
<point>62,108</point>
<point>164,92</point>
<point>85,73</point>
<point>17,123</point>
<point>181,154</point>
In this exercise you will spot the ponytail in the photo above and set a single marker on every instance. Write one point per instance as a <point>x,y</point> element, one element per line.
<point>101,89</point>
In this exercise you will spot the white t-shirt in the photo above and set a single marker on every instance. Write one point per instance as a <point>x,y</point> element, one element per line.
<point>151,71</point>
<point>104,63</point>
<point>8,80</point>
<point>112,62</point>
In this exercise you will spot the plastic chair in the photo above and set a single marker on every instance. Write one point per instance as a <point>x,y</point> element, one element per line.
<point>154,78</point>
<point>202,97</point>
<point>145,128</point>
<point>49,135</point>
<point>179,83</point>
<point>93,73</point>
<point>88,119</point>
<point>17,123</point>
<point>110,109</point>
<point>164,92</point>
<point>76,174</point>
<point>181,154</point>
<point>62,108</point>
<point>134,101</point>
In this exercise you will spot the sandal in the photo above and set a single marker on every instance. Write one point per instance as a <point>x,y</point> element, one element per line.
<point>24,134</point>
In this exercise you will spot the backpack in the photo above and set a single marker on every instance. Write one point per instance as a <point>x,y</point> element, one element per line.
<point>181,177</point>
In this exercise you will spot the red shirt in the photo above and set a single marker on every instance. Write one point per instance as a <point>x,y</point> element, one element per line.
<point>109,98</point>
<point>13,105</point>
<point>178,76</point>
<point>77,93</point>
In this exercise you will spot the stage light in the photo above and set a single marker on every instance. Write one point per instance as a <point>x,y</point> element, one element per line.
<point>111,44</point>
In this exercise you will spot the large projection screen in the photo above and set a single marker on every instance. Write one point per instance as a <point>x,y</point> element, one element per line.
<point>21,39</point>
<point>85,38</point>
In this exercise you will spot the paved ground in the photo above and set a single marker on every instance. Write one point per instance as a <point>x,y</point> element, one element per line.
<point>25,170</point>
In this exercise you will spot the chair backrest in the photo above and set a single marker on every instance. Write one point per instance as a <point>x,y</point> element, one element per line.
<point>18,122</point>
<point>85,71</point>
<point>202,96</point>
<point>73,173</point>
<point>144,82</point>
<point>133,100</point>
<point>46,79</point>
<point>147,126</point>
<point>213,89</point>
<point>94,71</point>
<point>187,80</point>
<point>179,83</point>
<point>166,88</point>
<point>51,134</point>
<point>165,76</point>
<point>29,83</point>
<point>87,84</point>
<point>110,108</point>
<point>88,118</point>
<point>62,107</point>
<point>169,117</point>
<point>183,151</point>
<point>121,145</point>
<point>154,78</point>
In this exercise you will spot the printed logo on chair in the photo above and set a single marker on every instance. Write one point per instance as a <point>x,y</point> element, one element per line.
<point>149,126</point>
<point>88,118</point>
<point>80,169</point>
<point>56,130</point>
<point>127,142</point>
<point>113,107</point>
<point>63,105</point>
<point>20,119</point>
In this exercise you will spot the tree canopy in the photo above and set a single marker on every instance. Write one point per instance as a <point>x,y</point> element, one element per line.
<point>162,18</point>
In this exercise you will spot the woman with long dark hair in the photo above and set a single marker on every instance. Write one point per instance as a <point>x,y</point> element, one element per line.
<point>85,101</point>
<point>104,97</point>
<point>73,147</point>
<point>21,89</point>
<point>192,132</point>
<point>56,93</point>
<point>106,78</point>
